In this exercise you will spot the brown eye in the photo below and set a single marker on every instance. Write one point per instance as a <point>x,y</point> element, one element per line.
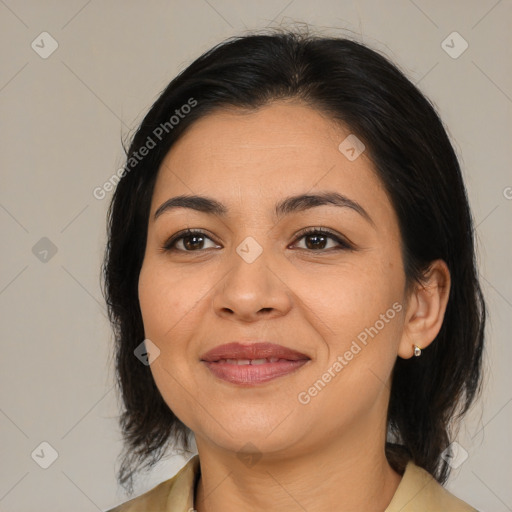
<point>188,241</point>
<point>317,239</point>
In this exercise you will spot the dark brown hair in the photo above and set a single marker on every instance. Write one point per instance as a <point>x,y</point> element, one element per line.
<point>416,164</point>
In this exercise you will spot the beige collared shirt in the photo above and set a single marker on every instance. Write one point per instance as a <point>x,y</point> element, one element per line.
<point>418,491</point>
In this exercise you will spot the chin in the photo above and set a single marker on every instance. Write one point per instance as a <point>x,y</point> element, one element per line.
<point>246,439</point>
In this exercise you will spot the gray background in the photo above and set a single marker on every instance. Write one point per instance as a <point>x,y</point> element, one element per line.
<point>62,121</point>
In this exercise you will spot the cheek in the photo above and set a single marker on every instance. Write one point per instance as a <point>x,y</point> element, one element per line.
<point>166,298</point>
<point>358,313</point>
<point>347,299</point>
<point>167,301</point>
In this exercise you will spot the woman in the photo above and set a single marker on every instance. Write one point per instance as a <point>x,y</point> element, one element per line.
<point>291,277</point>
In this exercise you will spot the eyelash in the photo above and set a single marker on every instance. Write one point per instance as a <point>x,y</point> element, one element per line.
<point>169,245</point>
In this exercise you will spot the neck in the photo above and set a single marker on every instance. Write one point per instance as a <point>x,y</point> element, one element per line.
<point>350,474</point>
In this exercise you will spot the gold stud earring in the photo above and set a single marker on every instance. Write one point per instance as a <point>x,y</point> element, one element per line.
<point>417,350</point>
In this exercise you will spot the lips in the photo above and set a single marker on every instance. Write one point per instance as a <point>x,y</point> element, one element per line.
<point>253,352</point>
<point>248,365</point>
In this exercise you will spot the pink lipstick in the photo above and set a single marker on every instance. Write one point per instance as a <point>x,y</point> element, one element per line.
<point>252,364</point>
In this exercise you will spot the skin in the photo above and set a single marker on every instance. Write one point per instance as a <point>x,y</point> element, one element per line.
<point>327,454</point>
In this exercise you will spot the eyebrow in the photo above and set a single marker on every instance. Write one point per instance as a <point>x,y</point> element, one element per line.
<point>287,206</point>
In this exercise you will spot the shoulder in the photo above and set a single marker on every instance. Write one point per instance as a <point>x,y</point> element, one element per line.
<point>172,494</point>
<point>419,491</point>
<point>150,500</point>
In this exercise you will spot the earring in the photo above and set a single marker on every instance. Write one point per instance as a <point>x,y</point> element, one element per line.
<point>417,350</point>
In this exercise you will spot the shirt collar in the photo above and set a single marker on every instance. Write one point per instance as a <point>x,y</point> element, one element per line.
<point>181,497</point>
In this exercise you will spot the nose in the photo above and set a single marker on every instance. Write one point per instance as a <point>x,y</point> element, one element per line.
<point>251,291</point>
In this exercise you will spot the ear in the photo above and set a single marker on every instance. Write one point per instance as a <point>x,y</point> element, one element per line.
<point>426,306</point>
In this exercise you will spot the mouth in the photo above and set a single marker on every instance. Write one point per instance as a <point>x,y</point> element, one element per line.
<point>252,364</point>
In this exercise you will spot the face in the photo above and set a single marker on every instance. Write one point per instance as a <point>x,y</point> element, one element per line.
<point>252,275</point>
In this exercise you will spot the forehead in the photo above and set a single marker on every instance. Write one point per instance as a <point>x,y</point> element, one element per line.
<point>287,129</point>
<point>282,148</point>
